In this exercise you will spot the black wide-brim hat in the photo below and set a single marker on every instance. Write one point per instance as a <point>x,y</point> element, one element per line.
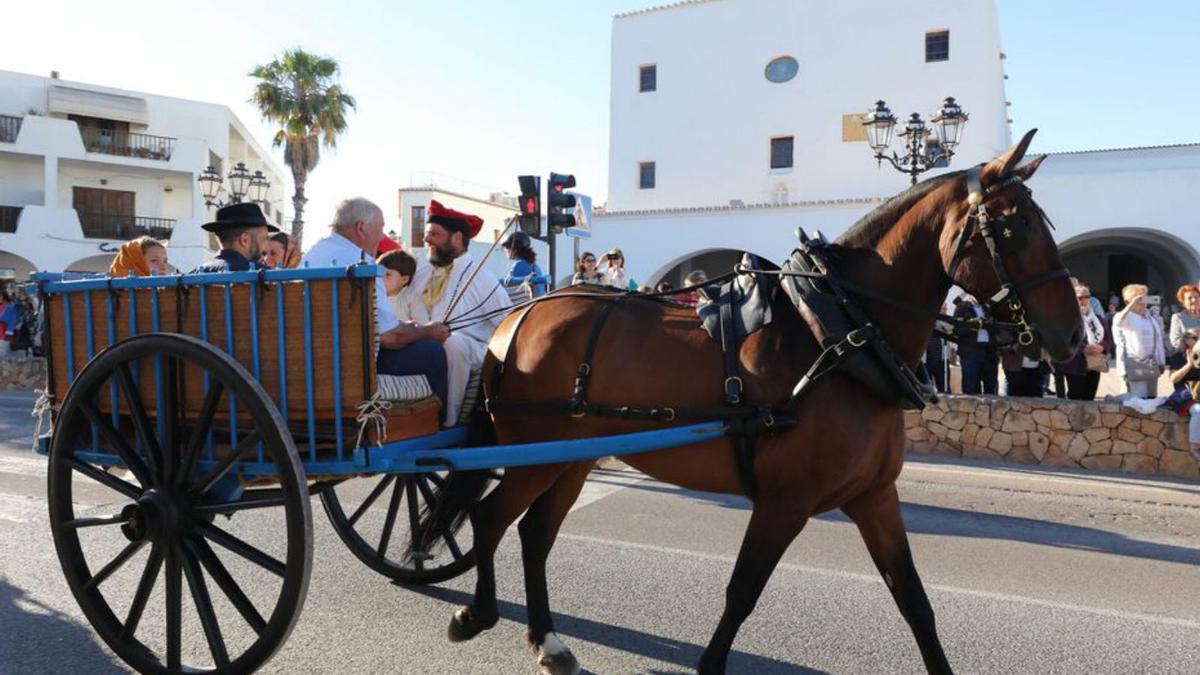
<point>236,216</point>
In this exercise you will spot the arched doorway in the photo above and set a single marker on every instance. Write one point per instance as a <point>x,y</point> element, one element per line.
<point>95,263</point>
<point>1106,260</point>
<point>713,261</point>
<point>14,267</point>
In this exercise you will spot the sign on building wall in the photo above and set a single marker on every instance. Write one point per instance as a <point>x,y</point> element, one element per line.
<point>853,129</point>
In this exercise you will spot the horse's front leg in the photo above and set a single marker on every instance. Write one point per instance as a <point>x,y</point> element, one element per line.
<point>538,530</point>
<point>773,526</point>
<point>879,521</point>
<point>490,518</point>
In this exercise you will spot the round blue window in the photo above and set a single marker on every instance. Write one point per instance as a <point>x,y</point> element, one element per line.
<point>782,69</point>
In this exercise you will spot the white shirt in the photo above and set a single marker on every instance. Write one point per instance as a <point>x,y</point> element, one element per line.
<point>338,251</point>
<point>483,297</point>
<point>983,334</point>
<point>1140,338</point>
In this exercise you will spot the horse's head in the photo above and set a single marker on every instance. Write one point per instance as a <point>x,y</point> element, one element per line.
<point>996,244</point>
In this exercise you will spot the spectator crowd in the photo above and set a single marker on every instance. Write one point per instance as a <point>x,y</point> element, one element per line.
<point>1132,338</point>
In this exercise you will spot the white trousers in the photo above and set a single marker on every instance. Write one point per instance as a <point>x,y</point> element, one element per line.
<point>463,355</point>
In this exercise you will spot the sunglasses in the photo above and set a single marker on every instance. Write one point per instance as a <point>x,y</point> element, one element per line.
<point>589,260</point>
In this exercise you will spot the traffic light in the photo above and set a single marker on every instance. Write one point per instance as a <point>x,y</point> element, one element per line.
<point>559,203</point>
<point>530,204</point>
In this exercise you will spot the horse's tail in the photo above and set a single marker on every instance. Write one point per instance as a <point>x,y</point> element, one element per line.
<point>452,502</point>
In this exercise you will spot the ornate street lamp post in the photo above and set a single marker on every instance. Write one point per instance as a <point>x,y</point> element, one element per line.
<point>922,151</point>
<point>241,185</point>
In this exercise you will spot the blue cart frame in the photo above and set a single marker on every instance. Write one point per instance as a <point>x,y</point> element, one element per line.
<point>94,443</point>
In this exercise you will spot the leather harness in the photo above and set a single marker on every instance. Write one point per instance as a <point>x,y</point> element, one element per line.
<point>894,380</point>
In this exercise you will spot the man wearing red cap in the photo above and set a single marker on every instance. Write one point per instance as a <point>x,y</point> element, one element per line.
<point>453,289</point>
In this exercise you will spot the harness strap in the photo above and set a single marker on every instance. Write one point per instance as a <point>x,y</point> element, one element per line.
<point>729,349</point>
<point>831,357</point>
<point>579,396</point>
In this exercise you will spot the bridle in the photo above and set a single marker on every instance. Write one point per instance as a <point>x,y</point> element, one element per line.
<point>1005,235</point>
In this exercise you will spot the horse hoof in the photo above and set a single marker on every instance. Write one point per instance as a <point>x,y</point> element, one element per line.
<point>554,658</point>
<point>563,663</point>
<point>464,625</point>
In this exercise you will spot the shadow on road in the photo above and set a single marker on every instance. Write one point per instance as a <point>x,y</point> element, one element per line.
<point>651,485</point>
<point>35,638</point>
<point>950,522</point>
<point>683,654</point>
<point>940,520</point>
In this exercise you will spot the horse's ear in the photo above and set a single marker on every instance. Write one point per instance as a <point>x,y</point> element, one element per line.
<point>1026,170</point>
<point>1002,166</point>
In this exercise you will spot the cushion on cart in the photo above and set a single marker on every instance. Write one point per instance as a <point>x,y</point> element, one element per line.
<point>402,387</point>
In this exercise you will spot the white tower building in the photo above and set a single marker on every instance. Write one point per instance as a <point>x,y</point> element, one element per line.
<point>735,121</point>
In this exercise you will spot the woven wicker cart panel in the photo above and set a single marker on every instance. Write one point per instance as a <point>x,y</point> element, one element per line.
<point>230,320</point>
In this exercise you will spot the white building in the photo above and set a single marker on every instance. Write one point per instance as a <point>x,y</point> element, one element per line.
<point>84,168</point>
<point>496,208</point>
<point>735,121</point>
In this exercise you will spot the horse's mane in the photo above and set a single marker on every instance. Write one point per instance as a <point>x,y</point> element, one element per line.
<point>870,228</point>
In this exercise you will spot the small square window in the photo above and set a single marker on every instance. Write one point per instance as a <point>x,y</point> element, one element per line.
<point>646,175</point>
<point>417,239</point>
<point>937,46</point>
<point>649,79</point>
<point>781,152</point>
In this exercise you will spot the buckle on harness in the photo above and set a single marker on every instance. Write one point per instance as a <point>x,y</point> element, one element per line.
<point>860,336</point>
<point>733,389</point>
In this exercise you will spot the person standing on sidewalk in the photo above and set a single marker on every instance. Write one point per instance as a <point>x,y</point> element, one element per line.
<point>977,357</point>
<point>1141,353</point>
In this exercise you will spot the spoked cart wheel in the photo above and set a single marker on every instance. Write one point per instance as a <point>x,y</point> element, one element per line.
<point>383,512</point>
<point>136,565</point>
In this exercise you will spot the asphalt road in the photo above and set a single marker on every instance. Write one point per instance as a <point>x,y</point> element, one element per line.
<point>1029,571</point>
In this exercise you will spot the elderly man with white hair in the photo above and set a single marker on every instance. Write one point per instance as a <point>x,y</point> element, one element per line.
<point>405,348</point>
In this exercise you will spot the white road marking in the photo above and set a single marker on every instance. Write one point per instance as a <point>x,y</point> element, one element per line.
<point>604,482</point>
<point>874,579</point>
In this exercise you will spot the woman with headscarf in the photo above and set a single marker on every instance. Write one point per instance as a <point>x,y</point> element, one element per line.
<point>141,257</point>
<point>280,252</point>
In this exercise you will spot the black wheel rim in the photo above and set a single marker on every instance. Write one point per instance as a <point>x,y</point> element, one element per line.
<point>241,603</point>
<point>374,517</point>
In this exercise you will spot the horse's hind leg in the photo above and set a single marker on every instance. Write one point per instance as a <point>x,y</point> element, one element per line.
<point>538,530</point>
<point>772,528</point>
<point>878,518</point>
<point>490,518</point>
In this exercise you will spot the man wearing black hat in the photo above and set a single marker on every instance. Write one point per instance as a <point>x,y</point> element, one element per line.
<point>242,230</point>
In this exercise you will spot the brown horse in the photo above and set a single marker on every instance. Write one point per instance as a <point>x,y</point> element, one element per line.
<point>845,452</point>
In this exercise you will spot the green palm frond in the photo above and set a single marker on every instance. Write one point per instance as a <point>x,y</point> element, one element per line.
<point>298,92</point>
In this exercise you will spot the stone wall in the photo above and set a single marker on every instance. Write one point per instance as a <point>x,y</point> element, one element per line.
<point>24,373</point>
<point>1054,432</point>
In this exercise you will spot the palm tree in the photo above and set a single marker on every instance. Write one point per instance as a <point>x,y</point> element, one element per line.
<point>297,92</point>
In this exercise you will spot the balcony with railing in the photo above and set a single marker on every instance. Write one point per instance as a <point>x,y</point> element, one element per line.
<point>126,143</point>
<point>10,126</point>
<point>8,218</point>
<point>121,227</point>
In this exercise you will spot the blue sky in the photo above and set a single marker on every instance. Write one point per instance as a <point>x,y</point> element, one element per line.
<point>485,90</point>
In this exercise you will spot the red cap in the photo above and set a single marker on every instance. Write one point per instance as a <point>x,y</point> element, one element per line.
<point>386,244</point>
<point>455,220</point>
